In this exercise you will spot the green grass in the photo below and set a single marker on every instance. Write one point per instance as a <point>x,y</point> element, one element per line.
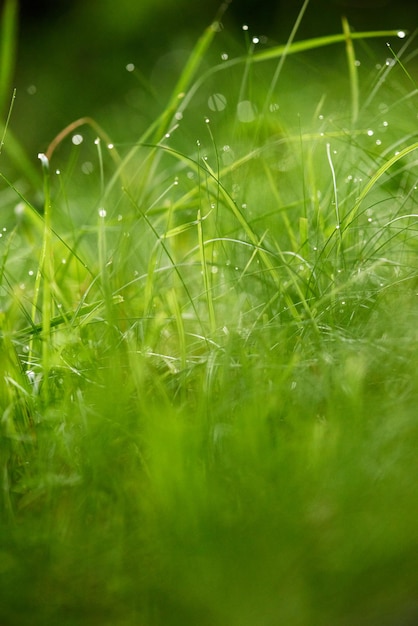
<point>208,349</point>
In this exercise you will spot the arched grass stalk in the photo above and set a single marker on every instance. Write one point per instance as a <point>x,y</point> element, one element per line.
<point>348,220</point>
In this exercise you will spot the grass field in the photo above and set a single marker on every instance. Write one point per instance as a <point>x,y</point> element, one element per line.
<point>208,346</point>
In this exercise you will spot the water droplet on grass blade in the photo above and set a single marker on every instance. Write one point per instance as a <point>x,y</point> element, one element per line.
<point>77,139</point>
<point>102,212</point>
<point>87,167</point>
<point>130,67</point>
<point>246,111</point>
<point>217,26</point>
<point>44,160</point>
<point>217,102</point>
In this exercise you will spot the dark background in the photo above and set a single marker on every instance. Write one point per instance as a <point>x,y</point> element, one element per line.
<point>73,53</point>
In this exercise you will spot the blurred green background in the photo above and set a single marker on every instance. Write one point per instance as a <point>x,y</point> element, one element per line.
<point>72,54</point>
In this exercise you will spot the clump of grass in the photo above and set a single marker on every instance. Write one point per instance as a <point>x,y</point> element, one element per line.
<point>208,340</point>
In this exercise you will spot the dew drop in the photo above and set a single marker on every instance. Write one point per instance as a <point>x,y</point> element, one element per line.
<point>401,34</point>
<point>87,168</point>
<point>357,63</point>
<point>31,90</point>
<point>370,132</point>
<point>207,120</point>
<point>57,172</point>
<point>217,102</point>
<point>102,212</point>
<point>77,139</point>
<point>217,26</point>
<point>179,115</point>
<point>246,111</point>
<point>30,272</point>
<point>130,67</point>
<point>110,146</point>
<point>256,40</point>
<point>224,56</point>
<point>43,159</point>
<point>244,27</point>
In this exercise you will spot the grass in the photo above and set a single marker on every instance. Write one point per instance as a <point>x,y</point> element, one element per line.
<point>208,398</point>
